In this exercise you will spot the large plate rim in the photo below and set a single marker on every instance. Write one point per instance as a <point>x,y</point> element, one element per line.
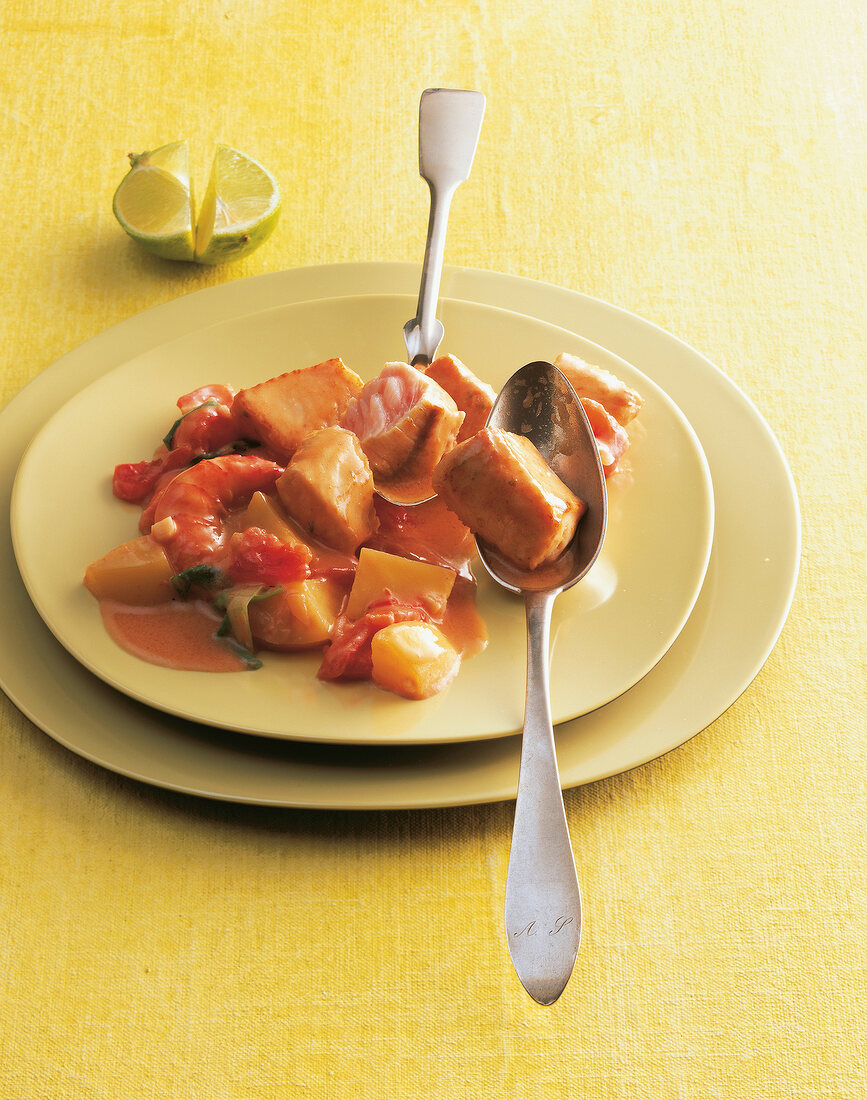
<point>562,306</point>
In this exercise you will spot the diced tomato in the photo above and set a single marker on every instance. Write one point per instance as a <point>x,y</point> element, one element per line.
<point>207,422</point>
<point>258,557</point>
<point>206,430</point>
<point>135,482</point>
<point>348,656</point>
<point>222,395</point>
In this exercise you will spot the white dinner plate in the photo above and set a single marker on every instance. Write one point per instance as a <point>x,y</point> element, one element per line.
<point>608,631</point>
<point>735,624</point>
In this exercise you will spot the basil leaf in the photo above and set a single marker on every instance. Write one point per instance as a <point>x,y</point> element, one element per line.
<point>205,576</point>
<point>239,447</point>
<point>250,659</point>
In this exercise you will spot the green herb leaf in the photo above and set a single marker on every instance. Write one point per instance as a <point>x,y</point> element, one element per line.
<point>250,659</point>
<point>235,602</point>
<point>267,591</point>
<point>239,447</point>
<point>205,576</point>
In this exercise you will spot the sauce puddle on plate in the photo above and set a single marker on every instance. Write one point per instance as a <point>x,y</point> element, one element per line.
<point>174,635</point>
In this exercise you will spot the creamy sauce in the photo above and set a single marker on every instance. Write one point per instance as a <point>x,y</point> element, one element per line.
<point>428,531</point>
<point>462,624</point>
<point>404,489</point>
<point>179,635</point>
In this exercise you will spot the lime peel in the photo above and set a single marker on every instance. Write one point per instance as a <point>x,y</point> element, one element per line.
<point>154,205</point>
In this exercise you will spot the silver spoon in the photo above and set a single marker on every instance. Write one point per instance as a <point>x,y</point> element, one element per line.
<point>543,898</point>
<point>449,124</point>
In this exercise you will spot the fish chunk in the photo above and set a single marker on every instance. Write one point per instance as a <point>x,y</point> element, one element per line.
<point>472,396</point>
<point>499,485</point>
<point>601,386</point>
<point>285,409</point>
<point>327,488</point>
<point>405,421</point>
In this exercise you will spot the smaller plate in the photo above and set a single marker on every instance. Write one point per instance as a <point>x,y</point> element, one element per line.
<point>608,632</point>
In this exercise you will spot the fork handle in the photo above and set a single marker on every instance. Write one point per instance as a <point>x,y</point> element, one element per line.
<point>449,124</point>
<point>423,334</point>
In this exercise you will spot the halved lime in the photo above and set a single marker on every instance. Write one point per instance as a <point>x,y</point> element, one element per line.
<point>240,208</point>
<point>154,204</point>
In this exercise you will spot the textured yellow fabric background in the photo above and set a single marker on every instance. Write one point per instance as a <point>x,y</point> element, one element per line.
<point>700,163</point>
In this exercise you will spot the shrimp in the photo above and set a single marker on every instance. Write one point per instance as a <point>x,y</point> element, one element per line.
<point>190,512</point>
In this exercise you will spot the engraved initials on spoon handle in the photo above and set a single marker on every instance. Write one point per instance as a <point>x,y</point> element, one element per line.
<point>543,898</point>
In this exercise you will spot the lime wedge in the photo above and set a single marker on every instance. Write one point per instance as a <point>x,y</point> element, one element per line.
<point>240,208</point>
<point>154,205</point>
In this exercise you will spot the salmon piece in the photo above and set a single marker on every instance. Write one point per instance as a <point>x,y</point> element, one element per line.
<point>499,485</point>
<point>618,400</point>
<point>472,396</point>
<point>327,488</point>
<point>285,409</point>
<point>405,421</point>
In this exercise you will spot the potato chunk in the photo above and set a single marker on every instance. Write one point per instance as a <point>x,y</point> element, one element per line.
<point>499,485</point>
<point>413,659</point>
<point>263,511</point>
<point>285,409</point>
<point>327,488</point>
<point>301,616</point>
<point>136,572</point>
<point>407,580</point>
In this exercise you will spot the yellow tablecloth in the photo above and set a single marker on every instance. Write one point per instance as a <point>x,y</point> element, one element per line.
<point>700,164</point>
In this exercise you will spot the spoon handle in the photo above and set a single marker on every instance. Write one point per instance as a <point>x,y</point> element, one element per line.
<point>449,124</point>
<point>543,899</point>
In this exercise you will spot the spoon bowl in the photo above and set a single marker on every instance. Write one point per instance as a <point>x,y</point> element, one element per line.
<point>543,898</point>
<point>538,402</point>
